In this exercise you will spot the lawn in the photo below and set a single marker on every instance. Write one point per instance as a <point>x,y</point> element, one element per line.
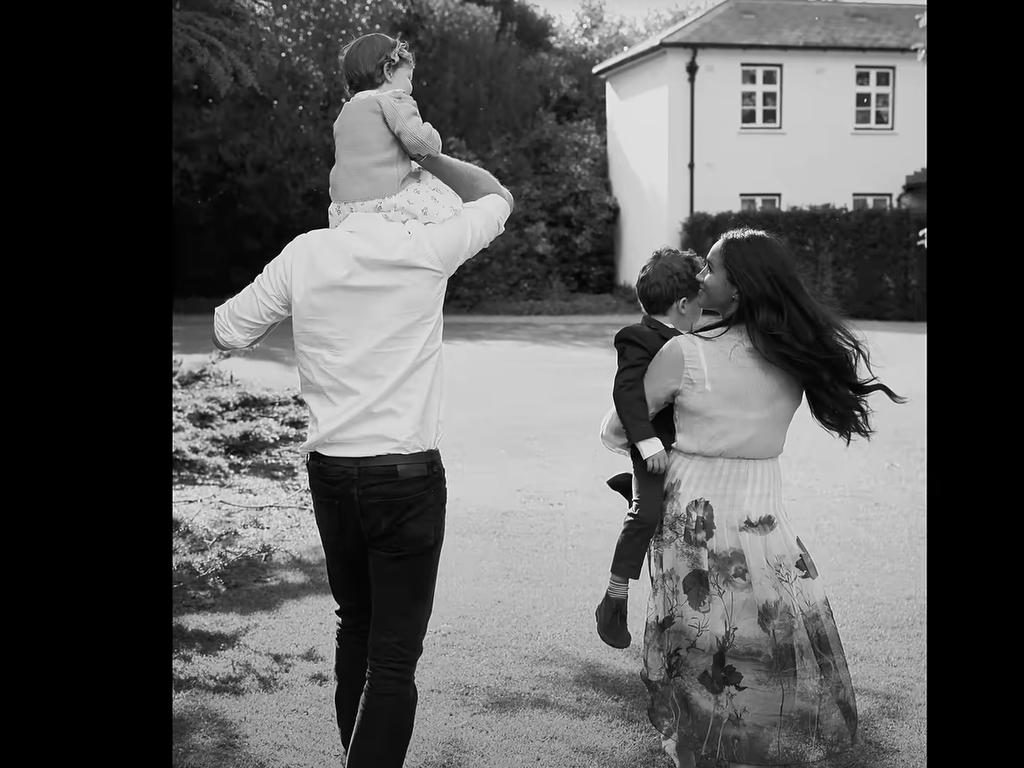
<point>512,673</point>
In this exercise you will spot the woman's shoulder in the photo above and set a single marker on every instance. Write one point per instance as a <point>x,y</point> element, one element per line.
<point>712,343</point>
<point>705,334</point>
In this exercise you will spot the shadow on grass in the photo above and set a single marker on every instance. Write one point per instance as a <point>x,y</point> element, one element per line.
<point>237,674</point>
<point>204,739</point>
<point>254,586</point>
<point>588,689</point>
<point>190,643</point>
<point>221,663</point>
<point>880,715</point>
<point>218,661</point>
<point>451,754</point>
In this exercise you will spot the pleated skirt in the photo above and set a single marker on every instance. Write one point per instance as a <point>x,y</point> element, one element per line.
<point>742,658</point>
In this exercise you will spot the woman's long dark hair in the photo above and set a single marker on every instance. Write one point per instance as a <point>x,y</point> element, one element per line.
<point>797,333</point>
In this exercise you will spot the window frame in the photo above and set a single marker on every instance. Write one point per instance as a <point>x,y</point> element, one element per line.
<point>874,90</point>
<point>759,197</point>
<point>870,197</point>
<point>758,88</point>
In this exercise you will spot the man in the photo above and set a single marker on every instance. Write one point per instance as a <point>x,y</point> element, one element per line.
<point>365,300</point>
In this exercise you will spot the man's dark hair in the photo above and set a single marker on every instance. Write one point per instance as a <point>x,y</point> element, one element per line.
<point>668,276</point>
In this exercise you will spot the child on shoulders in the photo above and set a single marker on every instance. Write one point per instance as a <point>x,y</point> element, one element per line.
<point>379,135</point>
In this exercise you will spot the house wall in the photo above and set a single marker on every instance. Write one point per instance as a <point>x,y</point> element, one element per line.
<point>816,157</point>
<point>638,121</point>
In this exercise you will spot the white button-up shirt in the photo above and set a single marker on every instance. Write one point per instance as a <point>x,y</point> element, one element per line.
<point>365,300</point>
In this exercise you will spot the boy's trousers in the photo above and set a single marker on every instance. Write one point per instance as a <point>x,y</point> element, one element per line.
<point>641,520</point>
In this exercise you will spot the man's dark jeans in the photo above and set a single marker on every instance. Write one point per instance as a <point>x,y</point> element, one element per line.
<point>382,526</point>
<point>641,521</point>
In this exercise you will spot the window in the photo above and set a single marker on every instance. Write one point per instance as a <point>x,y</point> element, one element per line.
<point>878,200</point>
<point>873,95</point>
<point>760,96</point>
<point>766,202</point>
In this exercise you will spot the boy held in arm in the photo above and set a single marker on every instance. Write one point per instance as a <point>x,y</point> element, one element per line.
<point>667,291</point>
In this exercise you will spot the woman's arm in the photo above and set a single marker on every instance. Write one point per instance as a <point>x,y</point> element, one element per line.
<point>664,376</point>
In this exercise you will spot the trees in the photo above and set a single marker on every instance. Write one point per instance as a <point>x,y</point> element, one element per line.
<point>212,42</point>
<point>257,86</point>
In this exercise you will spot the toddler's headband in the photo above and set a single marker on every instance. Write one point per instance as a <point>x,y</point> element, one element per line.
<point>394,58</point>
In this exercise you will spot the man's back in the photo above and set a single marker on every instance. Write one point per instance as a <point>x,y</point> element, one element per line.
<point>366,315</point>
<point>366,304</point>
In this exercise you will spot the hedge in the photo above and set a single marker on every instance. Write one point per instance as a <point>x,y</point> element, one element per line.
<point>865,263</point>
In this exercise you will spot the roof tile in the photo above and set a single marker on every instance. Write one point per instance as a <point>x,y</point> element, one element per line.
<point>789,24</point>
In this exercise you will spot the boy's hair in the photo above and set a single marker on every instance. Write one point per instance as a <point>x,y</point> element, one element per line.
<point>668,276</point>
<point>365,60</point>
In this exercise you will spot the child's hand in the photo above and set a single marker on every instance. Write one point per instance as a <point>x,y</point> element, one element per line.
<point>658,463</point>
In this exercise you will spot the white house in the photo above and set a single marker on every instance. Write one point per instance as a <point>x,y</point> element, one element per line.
<point>762,103</point>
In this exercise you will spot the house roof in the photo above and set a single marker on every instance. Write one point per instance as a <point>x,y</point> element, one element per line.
<point>786,24</point>
<point>917,179</point>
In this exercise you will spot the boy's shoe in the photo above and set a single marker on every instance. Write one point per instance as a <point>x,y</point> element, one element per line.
<point>622,483</point>
<point>611,621</point>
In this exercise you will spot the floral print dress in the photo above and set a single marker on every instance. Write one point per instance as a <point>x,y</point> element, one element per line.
<point>741,656</point>
<point>424,198</point>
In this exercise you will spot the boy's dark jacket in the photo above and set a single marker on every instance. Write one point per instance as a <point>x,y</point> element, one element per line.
<point>636,346</point>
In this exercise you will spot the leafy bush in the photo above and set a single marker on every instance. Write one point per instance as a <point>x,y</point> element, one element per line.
<point>865,263</point>
<point>562,241</point>
<point>252,143</point>
<point>201,552</point>
<point>242,442</point>
<point>220,428</point>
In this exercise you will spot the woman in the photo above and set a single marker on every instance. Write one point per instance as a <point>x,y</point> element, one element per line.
<point>742,658</point>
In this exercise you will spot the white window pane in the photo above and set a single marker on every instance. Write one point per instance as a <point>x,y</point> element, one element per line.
<point>863,77</point>
<point>882,100</point>
<point>881,117</point>
<point>748,98</point>
<point>769,77</point>
<point>863,117</point>
<point>882,78</point>
<point>747,204</point>
<point>880,202</point>
<point>769,99</point>
<point>863,100</point>
<point>770,116</point>
<point>748,115</point>
<point>860,203</point>
<point>748,76</point>
<point>769,204</point>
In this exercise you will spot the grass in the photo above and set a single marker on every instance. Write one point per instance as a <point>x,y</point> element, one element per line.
<point>512,673</point>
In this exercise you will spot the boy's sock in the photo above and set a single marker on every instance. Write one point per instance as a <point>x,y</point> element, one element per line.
<point>618,589</point>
